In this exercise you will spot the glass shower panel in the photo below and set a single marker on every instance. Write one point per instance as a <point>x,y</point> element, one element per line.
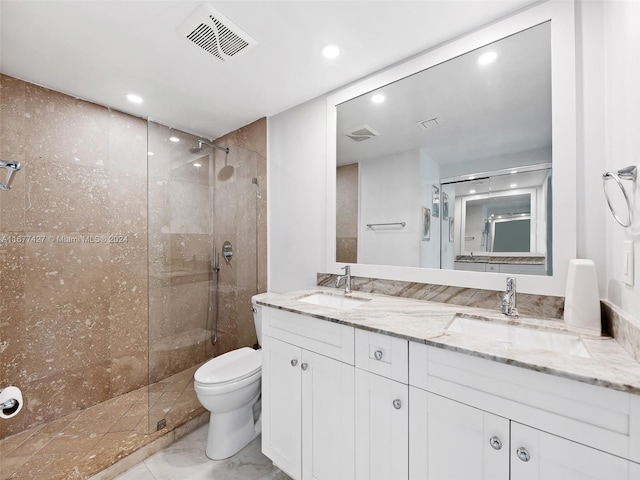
<point>180,206</point>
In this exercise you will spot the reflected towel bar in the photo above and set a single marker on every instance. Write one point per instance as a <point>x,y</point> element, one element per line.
<point>371,225</point>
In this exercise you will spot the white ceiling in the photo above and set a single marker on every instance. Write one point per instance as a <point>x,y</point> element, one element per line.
<point>102,50</point>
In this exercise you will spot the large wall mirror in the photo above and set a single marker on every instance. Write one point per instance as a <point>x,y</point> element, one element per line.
<point>460,163</point>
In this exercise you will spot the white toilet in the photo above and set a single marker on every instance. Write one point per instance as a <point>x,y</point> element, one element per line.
<point>229,387</point>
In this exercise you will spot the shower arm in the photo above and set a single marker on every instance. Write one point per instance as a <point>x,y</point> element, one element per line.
<point>12,167</point>
<point>200,143</point>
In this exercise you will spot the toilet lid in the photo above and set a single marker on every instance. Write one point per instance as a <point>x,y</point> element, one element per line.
<point>232,365</point>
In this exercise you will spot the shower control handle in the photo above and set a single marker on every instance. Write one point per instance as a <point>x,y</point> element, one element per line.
<point>294,362</point>
<point>397,404</point>
<point>304,366</point>
<point>378,354</point>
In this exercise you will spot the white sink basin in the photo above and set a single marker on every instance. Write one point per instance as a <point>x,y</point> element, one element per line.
<point>520,336</point>
<point>339,302</point>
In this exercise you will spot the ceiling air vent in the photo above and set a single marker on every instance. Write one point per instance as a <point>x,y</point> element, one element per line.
<point>212,31</point>
<point>427,124</point>
<point>360,134</point>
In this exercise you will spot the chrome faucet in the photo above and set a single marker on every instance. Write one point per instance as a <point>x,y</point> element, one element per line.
<point>508,306</point>
<point>347,277</point>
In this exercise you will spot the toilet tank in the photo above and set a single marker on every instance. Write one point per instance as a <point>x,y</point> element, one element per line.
<point>257,314</point>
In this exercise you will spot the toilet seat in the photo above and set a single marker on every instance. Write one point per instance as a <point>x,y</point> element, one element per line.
<point>230,367</point>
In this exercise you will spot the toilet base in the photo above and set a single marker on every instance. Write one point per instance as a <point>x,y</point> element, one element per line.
<point>230,432</point>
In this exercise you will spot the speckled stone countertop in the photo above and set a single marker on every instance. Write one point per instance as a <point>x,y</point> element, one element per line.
<point>425,322</point>
<point>530,260</point>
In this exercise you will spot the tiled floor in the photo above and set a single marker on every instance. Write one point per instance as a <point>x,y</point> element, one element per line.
<point>83,443</point>
<point>186,459</point>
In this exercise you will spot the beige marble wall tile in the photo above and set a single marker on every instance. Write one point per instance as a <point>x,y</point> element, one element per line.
<point>76,334</point>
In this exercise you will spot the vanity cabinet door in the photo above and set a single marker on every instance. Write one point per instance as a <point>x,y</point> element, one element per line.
<point>537,455</point>
<point>281,405</point>
<point>452,441</point>
<point>382,436</point>
<point>307,412</point>
<point>327,418</point>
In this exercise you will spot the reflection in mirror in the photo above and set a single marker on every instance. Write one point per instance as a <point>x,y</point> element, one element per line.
<point>505,220</point>
<point>413,164</point>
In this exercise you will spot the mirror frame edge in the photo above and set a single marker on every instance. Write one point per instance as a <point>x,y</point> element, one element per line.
<point>564,134</point>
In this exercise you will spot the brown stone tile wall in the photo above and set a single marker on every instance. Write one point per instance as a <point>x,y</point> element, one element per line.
<point>73,263</point>
<point>83,320</point>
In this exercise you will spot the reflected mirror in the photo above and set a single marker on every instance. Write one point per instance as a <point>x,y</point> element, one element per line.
<point>451,167</point>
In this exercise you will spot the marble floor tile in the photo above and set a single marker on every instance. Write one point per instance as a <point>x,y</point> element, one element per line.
<point>185,459</point>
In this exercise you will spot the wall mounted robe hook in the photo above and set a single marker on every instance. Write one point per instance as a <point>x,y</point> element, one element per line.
<point>628,173</point>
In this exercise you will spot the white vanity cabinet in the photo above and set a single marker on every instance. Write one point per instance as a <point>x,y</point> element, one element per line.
<point>474,419</point>
<point>450,440</point>
<point>308,396</point>
<point>381,407</point>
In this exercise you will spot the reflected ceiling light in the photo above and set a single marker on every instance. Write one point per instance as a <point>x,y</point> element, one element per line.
<point>472,191</point>
<point>377,98</point>
<point>174,139</point>
<point>133,98</point>
<point>514,171</point>
<point>150,154</point>
<point>196,164</point>
<point>513,185</point>
<point>331,51</point>
<point>487,58</point>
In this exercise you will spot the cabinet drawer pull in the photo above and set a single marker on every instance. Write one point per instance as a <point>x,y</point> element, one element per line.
<point>523,454</point>
<point>294,362</point>
<point>378,354</point>
<point>495,443</point>
<point>397,404</point>
<point>304,366</point>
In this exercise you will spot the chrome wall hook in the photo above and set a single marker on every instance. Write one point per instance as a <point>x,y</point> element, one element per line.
<point>628,173</point>
<point>12,167</point>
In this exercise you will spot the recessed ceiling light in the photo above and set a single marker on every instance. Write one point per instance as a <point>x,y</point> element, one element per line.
<point>377,98</point>
<point>174,139</point>
<point>513,185</point>
<point>487,58</point>
<point>133,98</point>
<point>331,51</point>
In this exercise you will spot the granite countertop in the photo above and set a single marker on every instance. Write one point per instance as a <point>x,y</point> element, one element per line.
<point>425,322</point>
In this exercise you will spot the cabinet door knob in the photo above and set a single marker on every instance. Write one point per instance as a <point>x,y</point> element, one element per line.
<point>378,354</point>
<point>304,366</point>
<point>294,362</point>
<point>495,443</point>
<point>397,404</point>
<point>523,454</point>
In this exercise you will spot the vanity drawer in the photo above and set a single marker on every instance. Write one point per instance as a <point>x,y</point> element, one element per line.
<point>383,355</point>
<point>320,336</point>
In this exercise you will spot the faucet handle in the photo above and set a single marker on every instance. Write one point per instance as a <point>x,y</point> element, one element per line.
<point>347,269</point>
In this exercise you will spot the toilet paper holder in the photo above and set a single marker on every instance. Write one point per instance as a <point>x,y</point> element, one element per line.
<point>10,402</point>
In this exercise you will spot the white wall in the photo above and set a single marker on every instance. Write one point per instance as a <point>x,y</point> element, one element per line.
<point>296,197</point>
<point>389,193</point>
<point>608,125</point>
<point>622,137</point>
